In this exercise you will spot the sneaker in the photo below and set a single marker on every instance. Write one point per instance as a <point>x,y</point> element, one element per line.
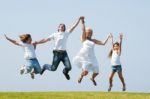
<point>79,80</point>
<point>22,70</point>
<point>94,82</point>
<point>109,89</point>
<point>44,68</point>
<point>42,71</point>
<point>32,75</point>
<point>124,88</point>
<point>67,76</point>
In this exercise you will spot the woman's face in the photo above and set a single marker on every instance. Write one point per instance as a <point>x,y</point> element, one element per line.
<point>89,32</point>
<point>61,27</point>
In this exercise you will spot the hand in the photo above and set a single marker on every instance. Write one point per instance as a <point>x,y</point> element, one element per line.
<point>110,35</point>
<point>82,17</point>
<point>35,43</point>
<point>6,36</point>
<point>121,35</point>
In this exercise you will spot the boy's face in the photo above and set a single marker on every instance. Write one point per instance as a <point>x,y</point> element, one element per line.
<point>61,28</point>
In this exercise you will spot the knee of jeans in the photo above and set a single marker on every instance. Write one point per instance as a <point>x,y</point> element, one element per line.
<point>38,71</point>
<point>53,68</point>
<point>69,68</point>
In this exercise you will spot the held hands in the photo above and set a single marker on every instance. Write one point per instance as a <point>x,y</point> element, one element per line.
<point>110,35</point>
<point>82,19</point>
<point>35,43</point>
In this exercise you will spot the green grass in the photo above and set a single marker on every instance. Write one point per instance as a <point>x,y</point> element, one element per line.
<point>72,95</point>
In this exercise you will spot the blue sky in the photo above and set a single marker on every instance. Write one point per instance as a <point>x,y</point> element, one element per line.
<point>40,18</point>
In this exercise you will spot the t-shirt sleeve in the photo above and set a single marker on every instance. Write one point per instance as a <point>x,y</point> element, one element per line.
<point>67,32</point>
<point>51,37</point>
<point>21,43</point>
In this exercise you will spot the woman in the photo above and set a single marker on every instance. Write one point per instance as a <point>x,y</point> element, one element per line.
<point>86,59</point>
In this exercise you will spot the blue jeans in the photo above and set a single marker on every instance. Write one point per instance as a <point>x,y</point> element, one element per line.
<point>59,56</point>
<point>33,64</point>
<point>117,68</point>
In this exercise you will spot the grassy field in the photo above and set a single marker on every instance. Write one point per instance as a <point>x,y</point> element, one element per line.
<point>72,95</point>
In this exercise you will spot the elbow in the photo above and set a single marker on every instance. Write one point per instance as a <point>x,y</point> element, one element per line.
<point>104,43</point>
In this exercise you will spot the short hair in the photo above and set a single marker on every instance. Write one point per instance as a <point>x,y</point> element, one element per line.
<point>63,25</point>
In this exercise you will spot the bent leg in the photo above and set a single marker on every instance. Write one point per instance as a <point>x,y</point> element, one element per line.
<point>84,73</point>
<point>93,78</point>
<point>66,63</point>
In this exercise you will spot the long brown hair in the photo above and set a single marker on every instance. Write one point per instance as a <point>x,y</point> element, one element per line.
<point>24,37</point>
<point>111,51</point>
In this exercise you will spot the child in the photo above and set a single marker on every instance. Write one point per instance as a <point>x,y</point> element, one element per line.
<point>86,58</point>
<point>60,52</point>
<point>32,65</point>
<point>114,55</point>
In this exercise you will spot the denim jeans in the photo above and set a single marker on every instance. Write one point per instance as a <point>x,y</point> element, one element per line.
<point>32,64</point>
<point>117,68</point>
<point>57,58</point>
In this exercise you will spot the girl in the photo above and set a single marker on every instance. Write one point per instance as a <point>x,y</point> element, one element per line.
<point>86,59</point>
<point>32,65</point>
<point>114,55</point>
<point>60,53</point>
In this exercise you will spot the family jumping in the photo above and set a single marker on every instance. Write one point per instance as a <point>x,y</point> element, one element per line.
<point>85,58</point>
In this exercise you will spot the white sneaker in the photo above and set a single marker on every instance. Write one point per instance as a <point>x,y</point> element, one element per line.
<point>124,88</point>
<point>22,70</point>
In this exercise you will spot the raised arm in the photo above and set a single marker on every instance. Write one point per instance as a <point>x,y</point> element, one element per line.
<point>121,36</point>
<point>74,25</point>
<point>112,42</point>
<point>102,42</point>
<point>83,29</point>
<point>12,41</point>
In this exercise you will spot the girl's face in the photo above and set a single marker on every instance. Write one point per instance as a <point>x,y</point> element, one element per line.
<point>88,32</point>
<point>29,40</point>
<point>116,47</point>
<point>61,27</point>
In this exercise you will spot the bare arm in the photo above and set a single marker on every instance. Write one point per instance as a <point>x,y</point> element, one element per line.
<point>83,30</point>
<point>121,36</point>
<point>112,42</point>
<point>42,41</point>
<point>102,42</point>
<point>74,25</point>
<point>12,41</point>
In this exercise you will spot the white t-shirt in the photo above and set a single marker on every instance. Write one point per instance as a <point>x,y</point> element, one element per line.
<point>60,40</point>
<point>115,60</point>
<point>29,51</point>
